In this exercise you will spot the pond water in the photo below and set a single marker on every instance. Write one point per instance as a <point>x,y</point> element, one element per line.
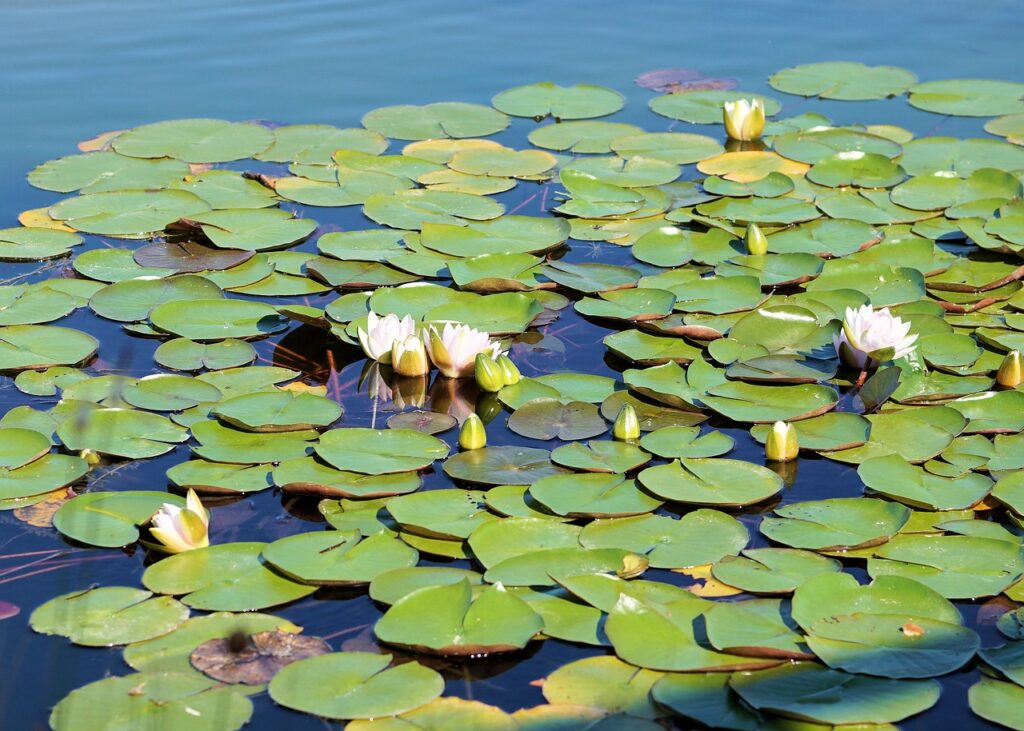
<point>75,68</point>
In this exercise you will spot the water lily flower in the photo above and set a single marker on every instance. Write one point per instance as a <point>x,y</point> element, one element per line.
<point>381,333</point>
<point>870,336</point>
<point>627,425</point>
<point>782,444</point>
<point>1011,371</point>
<point>744,119</point>
<point>509,370</point>
<point>454,349</point>
<point>755,240</point>
<point>409,357</point>
<point>182,529</point>
<point>472,435</point>
<point>489,375</point>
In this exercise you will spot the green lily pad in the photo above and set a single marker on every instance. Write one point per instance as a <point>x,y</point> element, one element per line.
<point>35,244</point>
<point>109,615</point>
<point>895,478</point>
<point>844,80</point>
<point>219,443</point>
<point>449,620</point>
<point>506,235</point>
<point>581,101</point>
<point>955,566</point>
<point>380,451</point>
<point>361,685</point>
<point>600,456</point>
<point>431,121</point>
<point>997,701</point>
<point>217,319</point>
<point>43,346</point>
<point>132,300</point>
<point>592,495</point>
<point>634,628</point>
<point>307,476</point>
<point>507,465</point>
<point>547,418</point>
<point>182,354</point>
<point>280,411</point>
<point>604,682</point>
<point>253,229</point>
<point>772,570</point>
<point>194,140</point>
<point>704,697</point>
<point>445,514</point>
<point>104,171</point>
<point>675,147</point>
<point>968,97</point>
<point>836,524</point>
<point>227,577</point>
<point>338,558</point>
<point>128,213</point>
<point>581,137</point>
<point>698,538</point>
<point>121,433</point>
<point>814,693</point>
<point>717,482</point>
<point>411,209</point>
<point>217,478</point>
<point>826,433</point>
<point>110,519</point>
<point>159,700</point>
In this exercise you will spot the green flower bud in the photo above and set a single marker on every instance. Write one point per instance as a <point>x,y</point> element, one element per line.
<point>627,425</point>
<point>489,375</point>
<point>510,373</point>
<point>755,240</point>
<point>472,435</point>
<point>1011,371</point>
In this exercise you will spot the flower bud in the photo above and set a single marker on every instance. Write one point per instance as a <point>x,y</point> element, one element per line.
<point>744,119</point>
<point>1011,371</point>
<point>626,426</point>
<point>755,240</point>
<point>509,372</point>
<point>489,374</point>
<point>409,357</point>
<point>91,457</point>
<point>472,435</point>
<point>781,445</point>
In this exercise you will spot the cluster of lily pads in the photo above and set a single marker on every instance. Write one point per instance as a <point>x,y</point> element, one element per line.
<point>742,270</point>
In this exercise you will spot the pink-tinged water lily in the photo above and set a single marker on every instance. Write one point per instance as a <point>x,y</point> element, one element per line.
<point>409,357</point>
<point>870,336</point>
<point>182,529</point>
<point>744,119</point>
<point>381,333</point>
<point>454,348</point>
<point>781,445</point>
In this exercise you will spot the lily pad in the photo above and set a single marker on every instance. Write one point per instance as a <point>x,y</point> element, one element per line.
<point>337,558</point>
<point>194,140</point>
<point>110,615</point>
<point>581,101</point>
<point>836,524</point>
<point>226,577</point>
<point>449,620</point>
<point>717,482</point>
<point>350,685</point>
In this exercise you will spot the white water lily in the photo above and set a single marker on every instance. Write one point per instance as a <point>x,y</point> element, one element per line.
<point>454,349</point>
<point>781,444</point>
<point>381,333</point>
<point>409,358</point>
<point>744,119</point>
<point>182,529</point>
<point>870,336</point>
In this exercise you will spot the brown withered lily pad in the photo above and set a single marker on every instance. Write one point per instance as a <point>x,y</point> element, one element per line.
<point>256,658</point>
<point>189,256</point>
<point>676,79</point>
